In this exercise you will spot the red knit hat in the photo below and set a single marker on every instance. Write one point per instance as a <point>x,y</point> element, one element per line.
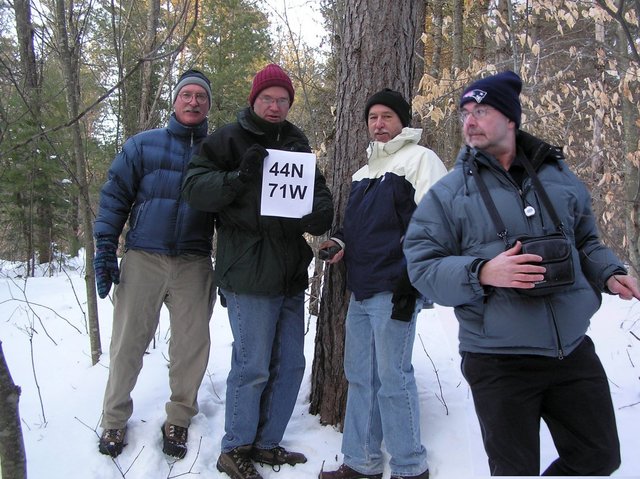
<point>271,75</point>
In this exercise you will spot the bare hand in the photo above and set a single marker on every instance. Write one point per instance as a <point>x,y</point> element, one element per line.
<point>511,269</point>
<point>335,258</point>
<point>624,286</point>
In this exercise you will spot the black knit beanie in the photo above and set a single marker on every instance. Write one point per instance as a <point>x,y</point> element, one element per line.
<point>393,100</point>
<point>195,77</point>
<point>501,91</point>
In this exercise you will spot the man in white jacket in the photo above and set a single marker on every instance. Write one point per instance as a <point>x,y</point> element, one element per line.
<point>382,402</point>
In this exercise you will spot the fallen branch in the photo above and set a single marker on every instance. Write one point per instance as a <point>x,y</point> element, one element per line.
<point>441,397</point>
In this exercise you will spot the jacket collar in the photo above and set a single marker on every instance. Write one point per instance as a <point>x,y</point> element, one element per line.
<point>407,136</point>
<point>179,129</point>
<point>256,125</point>
<point>535,149</point>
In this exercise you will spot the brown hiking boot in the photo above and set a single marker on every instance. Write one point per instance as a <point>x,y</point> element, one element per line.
<point>174,440</point>
<point>424,475</point>
<point>277,456</point>
<point>237,463</point>
<point>112,441</point>
<point>345,472</point>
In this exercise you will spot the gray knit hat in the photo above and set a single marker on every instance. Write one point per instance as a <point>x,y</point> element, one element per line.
<point>192,77</point>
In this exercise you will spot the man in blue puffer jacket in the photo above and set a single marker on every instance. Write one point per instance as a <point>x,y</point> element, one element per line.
<point>526,358</point>
<point>167,260</point>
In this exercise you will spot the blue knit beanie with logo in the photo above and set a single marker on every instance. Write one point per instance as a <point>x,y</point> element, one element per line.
<point>501,91</point>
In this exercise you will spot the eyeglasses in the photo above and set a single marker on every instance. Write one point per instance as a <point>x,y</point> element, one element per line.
<point>188,96</point>
<point>477,113</point>
<point>267,100</point>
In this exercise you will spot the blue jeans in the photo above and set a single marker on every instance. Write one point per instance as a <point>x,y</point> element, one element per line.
<point>267,366</point>
<point>382,401</point>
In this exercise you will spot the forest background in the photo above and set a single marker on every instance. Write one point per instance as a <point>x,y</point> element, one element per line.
<point>78,78</point>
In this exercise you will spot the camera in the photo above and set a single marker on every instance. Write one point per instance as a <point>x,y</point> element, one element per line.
<point>327,253</point>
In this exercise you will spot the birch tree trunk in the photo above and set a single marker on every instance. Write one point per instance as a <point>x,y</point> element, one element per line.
<point>13,462</point>
<point>376,49</point>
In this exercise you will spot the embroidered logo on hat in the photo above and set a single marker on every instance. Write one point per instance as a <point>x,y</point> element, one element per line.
<point>477,95</point>
<point>501,91</point>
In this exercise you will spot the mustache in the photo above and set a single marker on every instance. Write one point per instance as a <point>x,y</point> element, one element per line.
<point>192,110</point>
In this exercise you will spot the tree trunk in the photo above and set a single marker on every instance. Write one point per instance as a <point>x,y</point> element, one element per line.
<point>40,214</point>
<point>69,60</point>
<point>503,56</point>
<point>434,24</point>
<point>377,49</point>
<point>315,284</point>
<point>630,119</point>
<point>597,160</point>
<point>13,462</point>
<point>458,62</point>
<point>146,97</point>
<point>479,8</point>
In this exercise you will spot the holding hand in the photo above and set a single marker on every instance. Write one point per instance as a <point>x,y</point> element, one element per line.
<point>105,264</point>
<point>251,162</point>
<point>511,269</point>
<point>330,251</point>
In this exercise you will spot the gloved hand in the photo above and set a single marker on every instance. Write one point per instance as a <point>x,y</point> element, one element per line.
<point>403,299</point>
<point>223,300</point>
<point>315,223</point>
<point>251,162</point>
<point>105,264</point>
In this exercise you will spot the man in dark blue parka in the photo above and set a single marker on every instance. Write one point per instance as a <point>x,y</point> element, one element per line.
<point>167,260</point>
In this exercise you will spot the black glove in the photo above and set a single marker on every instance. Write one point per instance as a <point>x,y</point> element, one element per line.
<point>105,264</point>
<point>251,162</point>
<point>403,299</point>
<point>223,300</point>
<point>315,223</point>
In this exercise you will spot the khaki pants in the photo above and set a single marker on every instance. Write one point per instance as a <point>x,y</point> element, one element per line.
<point>185,284</point>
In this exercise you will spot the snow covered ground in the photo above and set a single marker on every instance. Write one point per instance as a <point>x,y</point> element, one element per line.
<point>43,334</point>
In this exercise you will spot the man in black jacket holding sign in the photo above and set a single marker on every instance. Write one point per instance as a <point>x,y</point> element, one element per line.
<point>261,270</point>
<point>525,357</point>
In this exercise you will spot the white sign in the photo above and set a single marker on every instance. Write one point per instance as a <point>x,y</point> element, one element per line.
<point>287,184</point>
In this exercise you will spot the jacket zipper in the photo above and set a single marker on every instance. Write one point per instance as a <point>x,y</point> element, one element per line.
<point>555,328</point>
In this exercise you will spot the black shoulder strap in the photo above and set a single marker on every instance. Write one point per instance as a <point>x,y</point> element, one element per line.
<point>491,206</point>
<point>543,194</point>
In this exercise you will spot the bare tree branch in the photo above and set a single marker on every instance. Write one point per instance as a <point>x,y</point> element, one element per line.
<point>152,56</point>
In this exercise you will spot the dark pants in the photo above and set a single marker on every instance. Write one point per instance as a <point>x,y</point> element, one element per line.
<point>512,392</point>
